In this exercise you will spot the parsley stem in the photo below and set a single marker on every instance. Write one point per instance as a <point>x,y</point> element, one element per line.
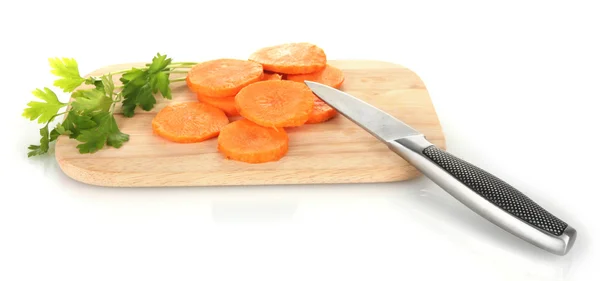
<point>177,80</point>
<point>115,101</point>
<point>170,71</point>
<point>54,116</point>
<point>168,66</point>
<point>58,114</point>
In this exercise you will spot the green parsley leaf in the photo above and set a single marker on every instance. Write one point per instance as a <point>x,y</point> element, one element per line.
<point>68,69</point>
<point>47,138</point>
<point>135,74</point>
<point>92,141</point>
<point>54,134</point>
<point>75,123</point>
<point>145,99</point>
<point>159,63</point>
<point>115,137</point>
<point>90,100</point>
<point>139,86</point>
<point>108,85</point>
<point>97,82</point>
<point>129,105</point>
<point>61,130</point>
<point>132,80</point>
<point>43,111</point>
<point>99,85</point>
<point>44,143</point>
<point>106,132</point>
<point>160,82</point>
<point>57,131</point>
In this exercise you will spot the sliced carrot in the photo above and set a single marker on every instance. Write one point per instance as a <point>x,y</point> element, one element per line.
<point>271,76</point>
<point>227,104</point>
<point>246,141</point>
<point>291,58</point>
<point>223,77</point>
<point>188,122</point>
<point>321,112</point>
<point>330,76</point>
<point>275,103</point>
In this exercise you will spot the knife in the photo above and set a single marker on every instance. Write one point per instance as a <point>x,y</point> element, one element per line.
<point>482,192</point>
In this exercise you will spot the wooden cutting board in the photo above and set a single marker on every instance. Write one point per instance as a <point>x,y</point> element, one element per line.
<point>337,151</point>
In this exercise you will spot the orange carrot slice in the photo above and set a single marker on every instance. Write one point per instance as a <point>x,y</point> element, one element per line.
<point>275,103</point>
<point>223,77</point>
<point>245,141</point>
<point>188,122</point>
<point>330,76</point>
<point>321,112</point>
<point>271,76</point>
<point>227,104</point>
<point>291,58</point>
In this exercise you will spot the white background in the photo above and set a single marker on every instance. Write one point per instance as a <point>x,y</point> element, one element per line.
<point>515,84</point>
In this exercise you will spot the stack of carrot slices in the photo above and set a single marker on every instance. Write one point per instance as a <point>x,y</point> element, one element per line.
<point>267,93</point>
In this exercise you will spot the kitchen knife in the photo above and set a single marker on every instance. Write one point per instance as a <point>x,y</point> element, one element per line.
<point>482,192</point>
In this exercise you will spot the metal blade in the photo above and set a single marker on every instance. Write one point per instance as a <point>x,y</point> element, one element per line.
<point>380,124</point>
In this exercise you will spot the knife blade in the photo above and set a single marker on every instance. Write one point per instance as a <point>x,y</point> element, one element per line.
<point>379,123</point>
<point>479,190</point>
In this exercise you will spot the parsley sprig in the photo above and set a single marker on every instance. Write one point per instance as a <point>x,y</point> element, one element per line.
<point>90,112</point>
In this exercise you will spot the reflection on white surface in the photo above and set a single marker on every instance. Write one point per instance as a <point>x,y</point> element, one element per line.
<point>253,211</point>
<point>410,228</point>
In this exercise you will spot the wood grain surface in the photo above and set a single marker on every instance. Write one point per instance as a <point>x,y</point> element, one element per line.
<point>337,151</point>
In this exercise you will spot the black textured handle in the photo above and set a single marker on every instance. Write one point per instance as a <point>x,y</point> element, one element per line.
<point>496,191</point>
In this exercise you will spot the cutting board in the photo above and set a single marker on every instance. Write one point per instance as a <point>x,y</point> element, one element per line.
<point>337,151</point>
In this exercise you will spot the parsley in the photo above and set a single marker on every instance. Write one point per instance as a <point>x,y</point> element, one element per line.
<point>43,111</point>
<point>44,143</point>
<point>90,100</point>
<point>140,85</point>
<point>90,114</point>
<point>106,131</point>
<point>47,137</point>
<point>68,70</point>
<point>74,123</point>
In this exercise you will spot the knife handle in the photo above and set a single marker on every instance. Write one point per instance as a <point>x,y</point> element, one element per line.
<point>487,195</point>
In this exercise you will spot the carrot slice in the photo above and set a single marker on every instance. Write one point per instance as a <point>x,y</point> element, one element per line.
<point>223,77</point>
<point>321,112</point>
<point>227,104</point>
<point>330,76</point>
<point>188,122</point>
<point>246,141</point>
<point>291,58</point>
<point>271,76</point>
<point>275,103</point>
